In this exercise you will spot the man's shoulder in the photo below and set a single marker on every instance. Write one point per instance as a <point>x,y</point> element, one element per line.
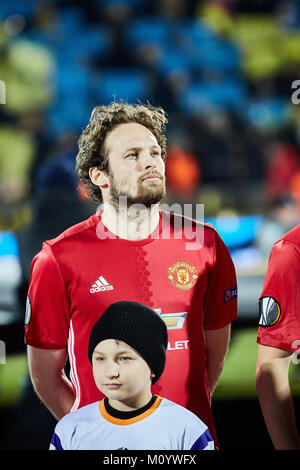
<point>181,221</point>
<point>183,415</point>
<point>284,249</point>
<point>84,413</point>
<point>76,231</point>
<point>292,237</point>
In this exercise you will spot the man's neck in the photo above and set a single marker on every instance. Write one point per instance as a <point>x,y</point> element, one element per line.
<point>130,223</point>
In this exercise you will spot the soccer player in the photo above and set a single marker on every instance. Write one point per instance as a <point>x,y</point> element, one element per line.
<point>279,339</point>
<point>127,350</point>
<point>130,250</point>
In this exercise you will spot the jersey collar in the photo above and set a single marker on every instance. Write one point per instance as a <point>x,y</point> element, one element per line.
<point>126,422</point>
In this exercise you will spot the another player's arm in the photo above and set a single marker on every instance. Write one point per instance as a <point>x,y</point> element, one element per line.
<point>272,383</point>
<point>49,380</point>
<point>216,346</point>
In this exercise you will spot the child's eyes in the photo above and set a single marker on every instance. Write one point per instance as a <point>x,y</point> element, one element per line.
<point>121,359</point>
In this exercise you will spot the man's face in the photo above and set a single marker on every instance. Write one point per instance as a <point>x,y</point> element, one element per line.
<point>121,374</point>
<point>136,168</point>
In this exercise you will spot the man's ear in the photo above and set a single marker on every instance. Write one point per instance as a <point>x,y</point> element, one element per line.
<point>98,177</point>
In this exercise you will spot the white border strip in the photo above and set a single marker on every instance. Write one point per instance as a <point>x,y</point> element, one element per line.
<point>73,370</point>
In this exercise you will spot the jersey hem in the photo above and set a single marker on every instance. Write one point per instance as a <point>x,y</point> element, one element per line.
<point>36,344</point>
<point>275,344</point>
<point>222,324</point>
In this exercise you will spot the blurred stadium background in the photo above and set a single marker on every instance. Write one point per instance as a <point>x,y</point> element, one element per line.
<point>223,71</point>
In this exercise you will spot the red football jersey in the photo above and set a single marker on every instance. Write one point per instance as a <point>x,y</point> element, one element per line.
<point>279,304</point>
<point>77,275</point>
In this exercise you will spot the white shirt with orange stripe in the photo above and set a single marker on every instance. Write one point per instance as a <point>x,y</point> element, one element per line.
<point>165,425</point>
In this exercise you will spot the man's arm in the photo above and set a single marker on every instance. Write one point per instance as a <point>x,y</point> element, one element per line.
<point>216,345</point>
<point>49,380</point>
<point>275,397</point>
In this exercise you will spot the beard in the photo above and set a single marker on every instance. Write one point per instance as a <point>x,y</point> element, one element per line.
<point>147,194</point>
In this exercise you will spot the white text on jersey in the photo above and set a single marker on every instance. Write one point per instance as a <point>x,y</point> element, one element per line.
<point>100,285</point>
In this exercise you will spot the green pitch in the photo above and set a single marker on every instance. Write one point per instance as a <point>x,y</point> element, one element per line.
<point>238,376</point>
<point>12,376</point>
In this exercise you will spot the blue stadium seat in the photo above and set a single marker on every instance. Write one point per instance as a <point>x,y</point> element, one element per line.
<point>71,81</point>
<point>266,113</point>
<point>71,107</point>
<point>154,30</point>
<point>206,97</point>
<point>132,4</point>
<point>72,18</point>
<point>216,54</point>
<point>123,83</point>
<point>90,43</point>
<point>207,49</point>
<point>8,244</point>
<point>192,34</point>
<point>237,231</point>
<point>72,38</point>
<point>17,7</point>
<point>174,61</point>
<point>69,115</point>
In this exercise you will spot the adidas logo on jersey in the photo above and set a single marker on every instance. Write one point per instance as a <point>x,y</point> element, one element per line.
<point>100,285</point>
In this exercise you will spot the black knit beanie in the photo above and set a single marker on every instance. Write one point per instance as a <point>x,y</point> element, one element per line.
<point>137,325</point>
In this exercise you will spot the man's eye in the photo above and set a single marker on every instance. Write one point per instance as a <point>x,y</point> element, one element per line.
<point>131,155</point>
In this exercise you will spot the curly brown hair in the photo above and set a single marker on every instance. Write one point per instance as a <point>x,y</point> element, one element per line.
<point>92,152</point>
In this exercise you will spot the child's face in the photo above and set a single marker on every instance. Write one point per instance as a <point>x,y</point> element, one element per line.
<point>121,374</point>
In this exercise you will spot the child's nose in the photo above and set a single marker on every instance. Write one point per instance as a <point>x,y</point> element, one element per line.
<point>112,369</point>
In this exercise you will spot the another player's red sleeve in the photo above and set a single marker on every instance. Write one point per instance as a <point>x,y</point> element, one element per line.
<point>279,303</point>
<point>220,304</point>
<point>46,318</point>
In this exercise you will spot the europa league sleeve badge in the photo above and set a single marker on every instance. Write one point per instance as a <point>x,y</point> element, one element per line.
<point>269,311</point>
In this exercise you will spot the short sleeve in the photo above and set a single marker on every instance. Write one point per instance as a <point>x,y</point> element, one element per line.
<point>220,303</point>
<point>280,297</point>
<point>47,317</point>
<point>55,443</point>
<point>203,442</point>
<point>195,434</point>
<point>62,434</point>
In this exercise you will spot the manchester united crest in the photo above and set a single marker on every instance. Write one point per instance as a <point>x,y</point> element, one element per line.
<point>182,275</point>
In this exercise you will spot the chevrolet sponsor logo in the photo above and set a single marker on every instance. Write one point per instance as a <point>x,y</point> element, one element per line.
<point>172,320</point>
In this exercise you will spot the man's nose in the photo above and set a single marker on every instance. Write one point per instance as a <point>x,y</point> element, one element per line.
<point>147,161</point>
